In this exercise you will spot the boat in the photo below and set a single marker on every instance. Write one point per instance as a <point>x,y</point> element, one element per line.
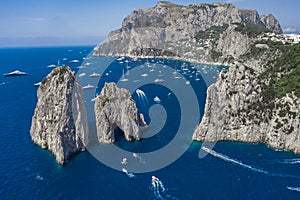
<point>176,77</point>
<point>187,82</point>
<point>64,59</point>
<point>123,77</point>
<point>159,80</point>
<point>124,161</point>
<point>152,70</point>
<point>157,99</point>
<point>197,78</point>
<point>144,75</point>
<point>94,75</point>
<point>37,84</point>
<point>74,61</point>
<point>155,179</point>
<point>15,73</point>
<point>88,86</point>
<point>82,74</point>
<point>51,66</point>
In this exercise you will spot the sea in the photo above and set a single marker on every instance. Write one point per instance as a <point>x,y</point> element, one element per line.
<point>171,95</point>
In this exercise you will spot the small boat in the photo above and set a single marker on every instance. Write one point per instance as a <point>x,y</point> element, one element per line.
<point>155,179</point>
<point>74,61</point>
<point>51,66</point>
<point>157,99</point>
<point>15,73</point>
<point>94,75</point>
<point>123,77</point>
<point>64,59</point>
<point>187,82</point>
<point>144,75</point>
<point>176,77</point>
<point>37,84</point>
<point>81,67</point>
<point>124,161</point>
<point>88,86</point>
<point>152,70</point>
<point>159,80</point>
<point>82,74</point>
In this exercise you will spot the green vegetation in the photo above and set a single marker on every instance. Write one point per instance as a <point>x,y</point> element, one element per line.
<point>250,29</point>
<point>105,101</point>
<point>284,75</point>
<point>213,32</point>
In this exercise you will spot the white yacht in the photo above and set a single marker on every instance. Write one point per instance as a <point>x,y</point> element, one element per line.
<point>15,73</point>
<point>94,75</point>
<point>37,84</point>
<point>159,80</point>
<point>51,66</point>
<point>88,86</point>
<point>157,99</point>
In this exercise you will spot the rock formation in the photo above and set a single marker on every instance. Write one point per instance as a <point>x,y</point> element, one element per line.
<point>239,107</point>
<point>59,123</point>
<point>192,32</point>
<point>257,100</point>
<point>114,108</point>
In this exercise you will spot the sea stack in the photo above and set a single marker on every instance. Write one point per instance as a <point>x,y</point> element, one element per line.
<point>59,123</point>
<point>114,107</point>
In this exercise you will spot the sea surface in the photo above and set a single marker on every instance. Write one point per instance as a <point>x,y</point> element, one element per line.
<point>230,170</point>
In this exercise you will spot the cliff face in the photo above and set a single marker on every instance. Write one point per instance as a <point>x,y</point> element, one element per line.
<point>250,104</point>
<point>59,123</point>
<point>114,108</point>
<point>192,32</point>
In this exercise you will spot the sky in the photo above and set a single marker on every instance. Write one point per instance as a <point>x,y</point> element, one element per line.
<point>62,22</point>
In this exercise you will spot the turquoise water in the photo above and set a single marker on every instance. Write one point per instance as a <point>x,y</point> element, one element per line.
<point>235,170</point>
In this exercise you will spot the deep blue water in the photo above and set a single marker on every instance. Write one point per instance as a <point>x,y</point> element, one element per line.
<point>239,171</point>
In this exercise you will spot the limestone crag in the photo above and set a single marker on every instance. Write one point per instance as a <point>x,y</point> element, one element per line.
<point>234,111</point>
<point>193,32</point>
<point>59,123</point>
<point>114,108</point>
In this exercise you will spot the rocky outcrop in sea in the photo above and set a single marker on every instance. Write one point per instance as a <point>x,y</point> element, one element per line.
<point>59,123</point>
<point>258,99</point>
<point>115,108</point>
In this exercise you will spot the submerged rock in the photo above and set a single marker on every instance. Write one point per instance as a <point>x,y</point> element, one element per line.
<point>114,107</point>
<point>59,123</point>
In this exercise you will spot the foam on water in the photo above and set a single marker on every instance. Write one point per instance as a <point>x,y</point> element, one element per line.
<point>240,163</point>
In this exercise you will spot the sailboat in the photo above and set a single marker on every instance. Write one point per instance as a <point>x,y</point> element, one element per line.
<point>123,77</point>
<point>197,78</point>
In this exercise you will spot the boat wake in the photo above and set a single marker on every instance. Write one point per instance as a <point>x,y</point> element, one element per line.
<point>249,167</point>
<point>143,98</point>
<point>297,189</point>
<point>159,189</point>
<point>130,175</point>
<point>289,161</point>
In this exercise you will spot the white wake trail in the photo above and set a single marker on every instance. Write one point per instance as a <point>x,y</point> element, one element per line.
<point>237,162</point>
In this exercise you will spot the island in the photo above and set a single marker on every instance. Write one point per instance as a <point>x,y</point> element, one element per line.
<point>256,101</point>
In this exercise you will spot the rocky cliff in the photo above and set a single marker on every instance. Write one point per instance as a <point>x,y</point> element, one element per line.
<point>256,101</point>
<point>114,108</point>
<point>59,123</point>
<point>200,32</point>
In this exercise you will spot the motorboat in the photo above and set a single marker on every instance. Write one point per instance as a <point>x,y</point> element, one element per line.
<point>159,80</point>
<point>88,86</point>
<point>94,75</point>
<point>15,73</point>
